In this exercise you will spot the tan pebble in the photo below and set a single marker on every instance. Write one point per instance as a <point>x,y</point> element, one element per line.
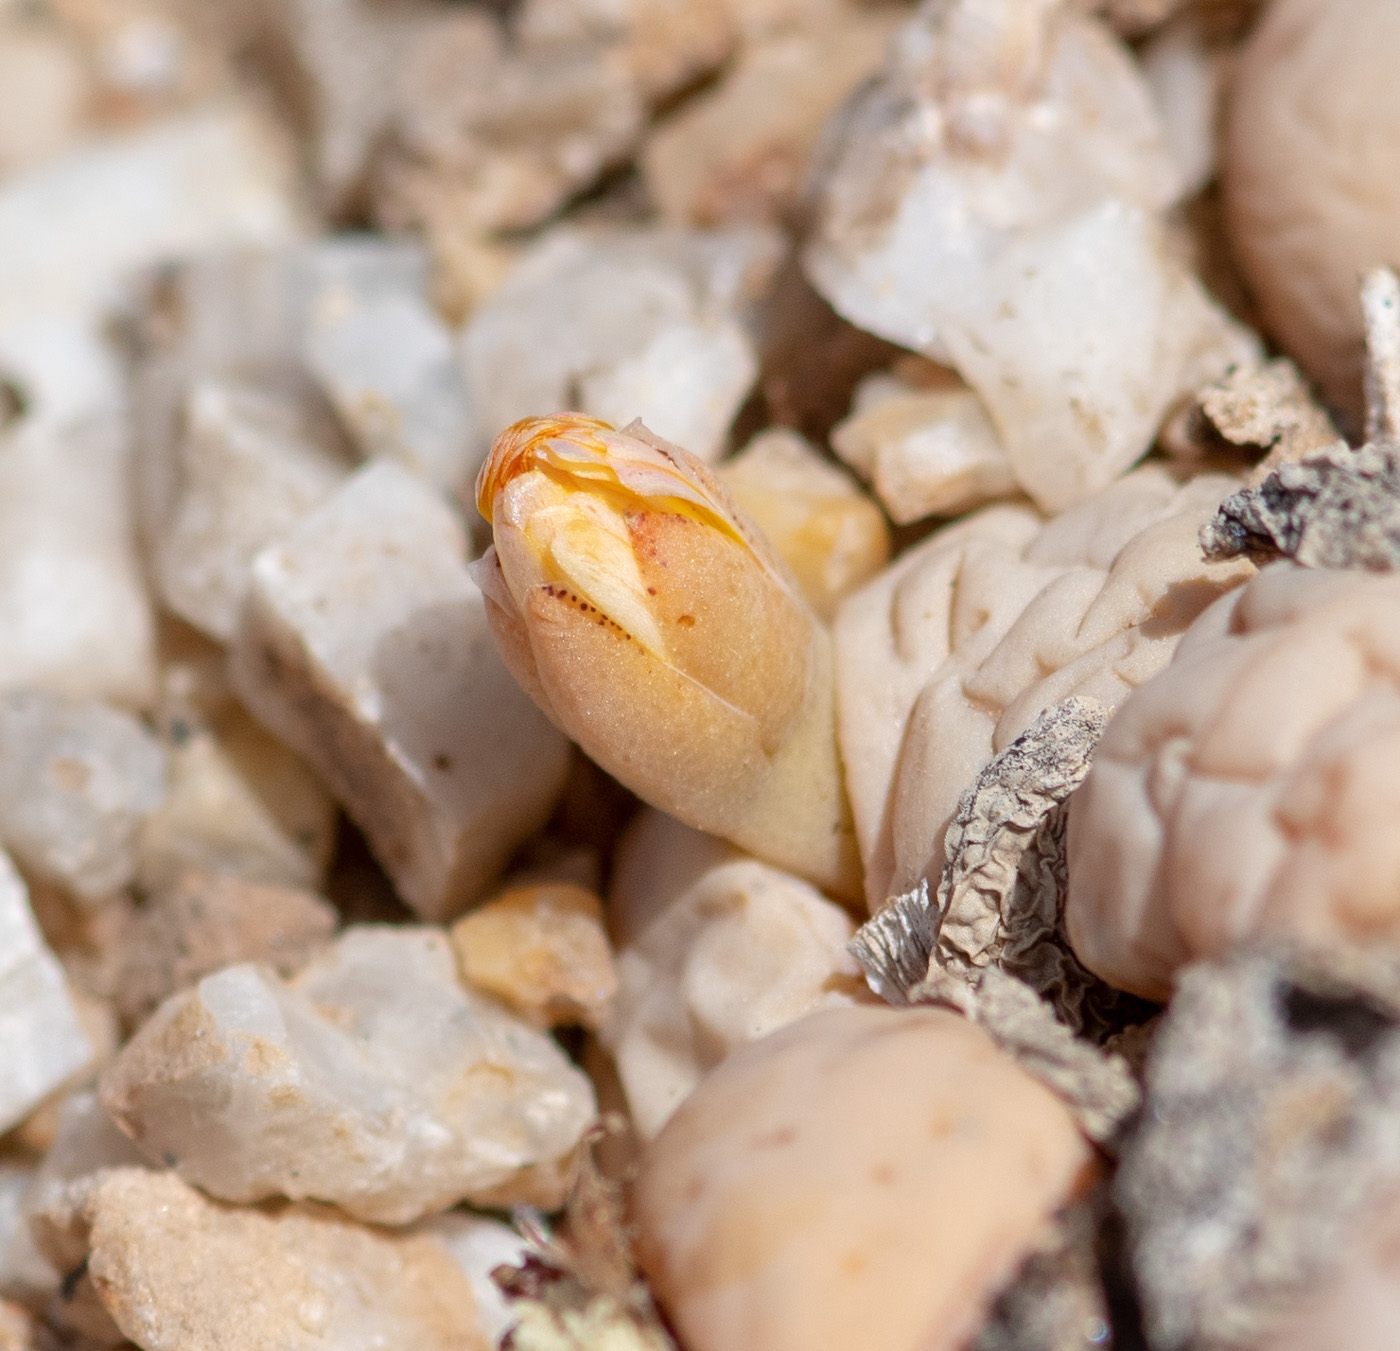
<point>865,1177</point>
<point>543,950</point>
<point>176,1270</point>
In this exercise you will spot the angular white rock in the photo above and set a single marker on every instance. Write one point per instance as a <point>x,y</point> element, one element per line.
<point>374,1080</point>
<point>74,615</point>
<point>716,950</point>
<point>76,782</point>
<point>71,230</point>
<point>238,803</point>
<point>1009,226</point>
<point>249,467</point>
<point>42,1040</point>
<point>389,366</point>
<point>925,452</point>
<point>365,646</point>
<point>624,324</point>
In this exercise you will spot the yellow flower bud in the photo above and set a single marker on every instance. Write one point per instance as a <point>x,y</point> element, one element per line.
<point>657,628</point>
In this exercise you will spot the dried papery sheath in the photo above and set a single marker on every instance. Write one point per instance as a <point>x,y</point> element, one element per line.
<point>656,626</point>
<point>893,947</point>
<point>1003,885</point>
<point>1268,1134</point>
<point>1097,1087</point>
<point>1380,307</point>
<point>1339,509</point>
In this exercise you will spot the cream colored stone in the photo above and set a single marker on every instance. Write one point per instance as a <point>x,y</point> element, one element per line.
<point>43,93</point>
<point>181,1273</point>
<point>1250,789</point>
<point>77,780</point>
<point>542,950</point>
<point>926,453</point>
<point>239,802</point>
<point>955,649</point>
<point>204,922</point>
<point>994,201</point>
<point>623,324</point>
<point>739,152</point>
<point>42,1040</point>
<point>669,44</point>
<point>365,647</point>
<point>249,468</point>
<point>373,1080</point>
<point>1310,168</point>
<point>75,618</point>
<point>716,950</point>
<point>824,528</point>
<point>863,1177</point>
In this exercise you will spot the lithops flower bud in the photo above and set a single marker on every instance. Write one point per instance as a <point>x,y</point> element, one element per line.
<point>656,627</point>
<point>864,1177</point>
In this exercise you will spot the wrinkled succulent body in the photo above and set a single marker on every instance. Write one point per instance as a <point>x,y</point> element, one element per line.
<point>656,627</point>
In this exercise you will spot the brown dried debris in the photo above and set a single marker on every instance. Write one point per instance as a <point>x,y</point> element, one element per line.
<point>580,1291</point>
<point>1272,407</point>
<point>1272,1094</point>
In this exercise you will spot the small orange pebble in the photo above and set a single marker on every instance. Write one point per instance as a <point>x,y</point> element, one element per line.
<point>543,950</point>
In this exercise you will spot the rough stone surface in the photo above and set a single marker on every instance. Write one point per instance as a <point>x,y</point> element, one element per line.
<point>76,782</point>
<point>205,922</point>
<point>824,528</point>
<point>862,1177</point>
<point>179,1272</point>
<point>373,1080</point>
<point>925,453</point>
<point>239,803</point>
<point>740,151</point>
<point>957,647</point>
<point>75,618</point>
<point>389,366</point>
<point>1248,790</point>
<point>993,201</point>
<point>365,646</point>
<point>717,954</point>
<point>42,1037</point>
<point>250,467</point>
<point>543,950</point>
<point>624,324</point>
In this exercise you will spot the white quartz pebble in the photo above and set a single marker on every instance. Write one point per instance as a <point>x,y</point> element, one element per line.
<point>716,950</point>
<point>389,366</point>
<point>365,647</point>
<point>42,1040</point>
<point>994,202</point>
<point>77,780</point>
<point>373,1080</point>
<point>74,614</point>
<point>250,467</point>
<point>624,324</point>
<point>479,1245</point>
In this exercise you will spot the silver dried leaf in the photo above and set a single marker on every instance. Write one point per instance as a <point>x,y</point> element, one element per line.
<point>1098,1087</point>
<point>1337,509</point>
<point>1273,1096</point>
<point>1001,895</point>
<point>893,947</point>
